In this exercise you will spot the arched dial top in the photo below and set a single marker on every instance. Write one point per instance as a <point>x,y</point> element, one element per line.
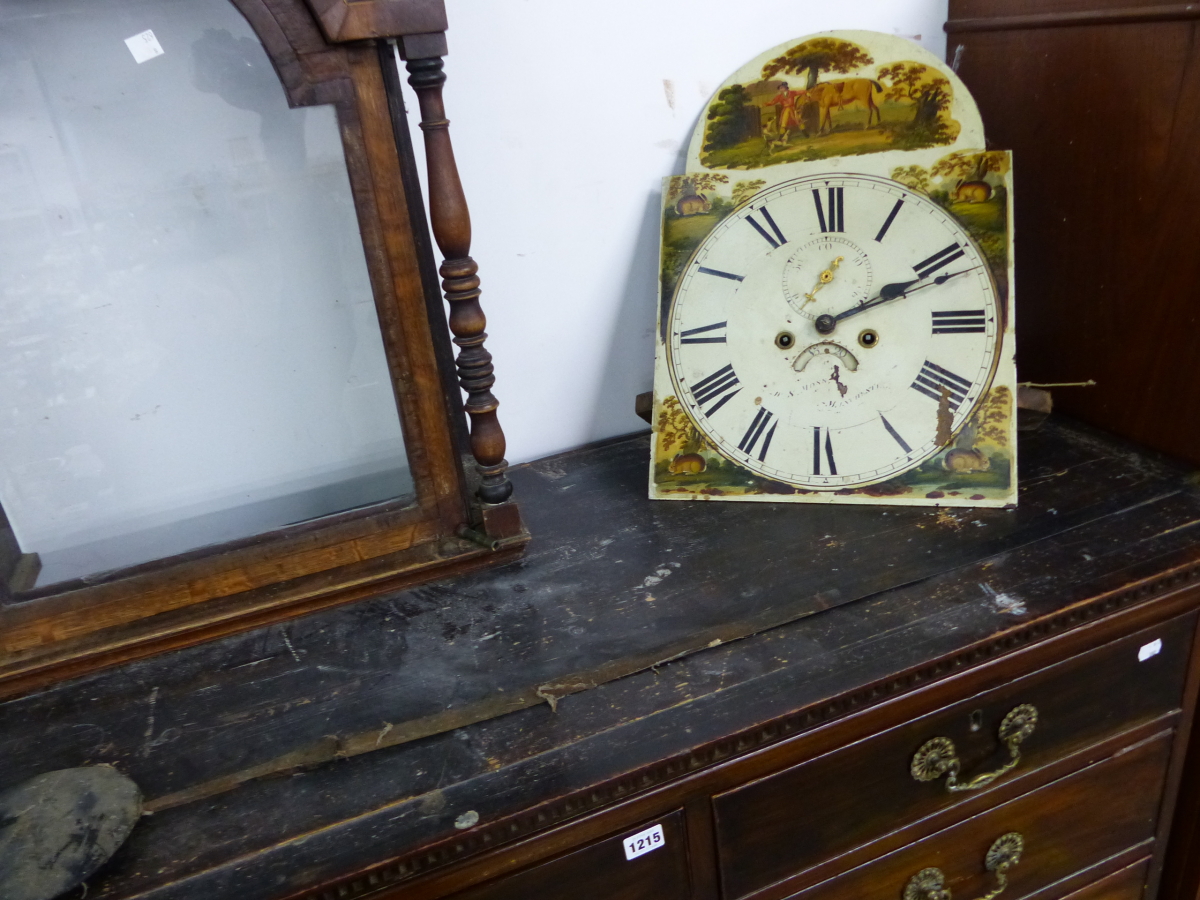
<point>834,331</point>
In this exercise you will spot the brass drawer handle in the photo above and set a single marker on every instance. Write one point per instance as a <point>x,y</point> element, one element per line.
<point>1005,852</point>
<point>937,756</point>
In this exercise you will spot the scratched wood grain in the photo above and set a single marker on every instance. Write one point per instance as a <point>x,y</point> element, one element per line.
<point>596,598</point>
<point>633,584</point>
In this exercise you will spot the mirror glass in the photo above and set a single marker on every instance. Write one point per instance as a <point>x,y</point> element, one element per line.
<point>189,347</point>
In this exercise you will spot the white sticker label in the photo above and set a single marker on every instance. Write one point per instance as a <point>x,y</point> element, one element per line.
<point>1148,650</point>
<point>144,46</point>
<point>644,841</point>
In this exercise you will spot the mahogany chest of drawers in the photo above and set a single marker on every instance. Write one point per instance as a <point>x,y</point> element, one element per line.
<point>1028,776</point>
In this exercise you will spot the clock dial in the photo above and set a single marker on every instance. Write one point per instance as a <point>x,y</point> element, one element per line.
<point>834,331</point>
<point>832,265</point>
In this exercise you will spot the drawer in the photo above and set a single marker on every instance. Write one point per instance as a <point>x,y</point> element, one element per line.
<point>1127,884</point>
<point>777,826</point>
<point>602,871</point>
<point>1066,827</point>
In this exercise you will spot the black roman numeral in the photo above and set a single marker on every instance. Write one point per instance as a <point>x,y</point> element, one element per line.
<point>836,221</point>
<point>887,223</point>
<point>754,432</point>
<point>932,379</point>
<point>895,434</point>
<point>720,274</point>
<point>817,452</point>
<point>945,256</point>
<point>685,337</point>
<point>775,228</point>
<point>960,321</point>
<point>722,385</point>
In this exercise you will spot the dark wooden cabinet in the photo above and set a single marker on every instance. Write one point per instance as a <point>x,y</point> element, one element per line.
<point>767,831</point>
<point>602,870</point>
<point>1127,884</point>
<point>1089,795</point>
<point>777,760</point>
<point>1071,829</point>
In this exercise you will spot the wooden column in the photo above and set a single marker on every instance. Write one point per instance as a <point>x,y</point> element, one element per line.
<point>451,225</point>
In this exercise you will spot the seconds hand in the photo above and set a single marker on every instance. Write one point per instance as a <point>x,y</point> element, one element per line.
<point>894,291</point>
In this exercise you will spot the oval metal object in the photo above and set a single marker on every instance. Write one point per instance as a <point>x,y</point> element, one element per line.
<point>1005,852</point>
<point>57,828</point>
<point>934,759</point>
<point>1019,723</point>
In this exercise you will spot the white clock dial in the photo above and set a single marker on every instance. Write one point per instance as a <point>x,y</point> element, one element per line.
<point>834,331</point>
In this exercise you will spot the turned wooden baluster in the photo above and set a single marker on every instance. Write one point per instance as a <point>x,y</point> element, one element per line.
<point>451,224</point>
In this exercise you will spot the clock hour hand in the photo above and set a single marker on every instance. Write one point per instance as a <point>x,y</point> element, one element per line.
<point>826,323</point>
<point>894,291</point>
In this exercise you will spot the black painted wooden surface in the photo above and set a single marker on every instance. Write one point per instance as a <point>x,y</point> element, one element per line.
<point>868,790</point>
<point>611,584</point>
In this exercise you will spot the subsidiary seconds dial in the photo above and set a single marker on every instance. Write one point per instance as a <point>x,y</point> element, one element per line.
<point>834,331</point>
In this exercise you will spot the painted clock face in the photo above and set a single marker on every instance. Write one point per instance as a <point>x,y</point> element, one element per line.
<point>834,331</point>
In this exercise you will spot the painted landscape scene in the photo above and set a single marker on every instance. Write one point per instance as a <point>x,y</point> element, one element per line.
<point>826,97</point>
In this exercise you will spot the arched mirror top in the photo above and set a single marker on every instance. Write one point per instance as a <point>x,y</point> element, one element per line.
<point>183,229</point>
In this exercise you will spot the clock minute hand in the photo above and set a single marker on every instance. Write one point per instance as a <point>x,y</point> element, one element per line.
<point>941,279</point>
<point>894,291</point>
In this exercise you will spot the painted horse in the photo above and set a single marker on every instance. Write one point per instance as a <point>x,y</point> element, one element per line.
<point>831,95</point>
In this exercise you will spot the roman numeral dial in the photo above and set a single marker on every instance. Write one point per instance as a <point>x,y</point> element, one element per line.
<point>831,215</point>
<point>960,321</point>
<point>936,383</point>
<point>822,452</point>
<point>705,334</point>
<point>768,399</point>
<point>718,388</point>
<point>931,264</point>
<point>774,237</point>
<point>762,419</point>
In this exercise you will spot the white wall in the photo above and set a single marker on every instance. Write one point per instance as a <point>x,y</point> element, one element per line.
<point>566,116</point>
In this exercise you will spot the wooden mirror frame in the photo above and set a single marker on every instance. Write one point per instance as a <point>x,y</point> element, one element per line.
<point>338,53</point>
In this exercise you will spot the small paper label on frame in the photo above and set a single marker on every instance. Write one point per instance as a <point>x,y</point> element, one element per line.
<point>144,46</point>
<point>644,841</point>
<point>1148,650</point>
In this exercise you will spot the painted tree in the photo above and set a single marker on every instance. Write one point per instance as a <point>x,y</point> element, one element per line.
<point>970,166</point>
<point>744,190</point>
<point>688,185</point>
<point>916,83</point>
<point>816,56</point>
<point>991,422</point>
<point>728,118</point>
<point>675,430</point>
<point>915,177</point>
